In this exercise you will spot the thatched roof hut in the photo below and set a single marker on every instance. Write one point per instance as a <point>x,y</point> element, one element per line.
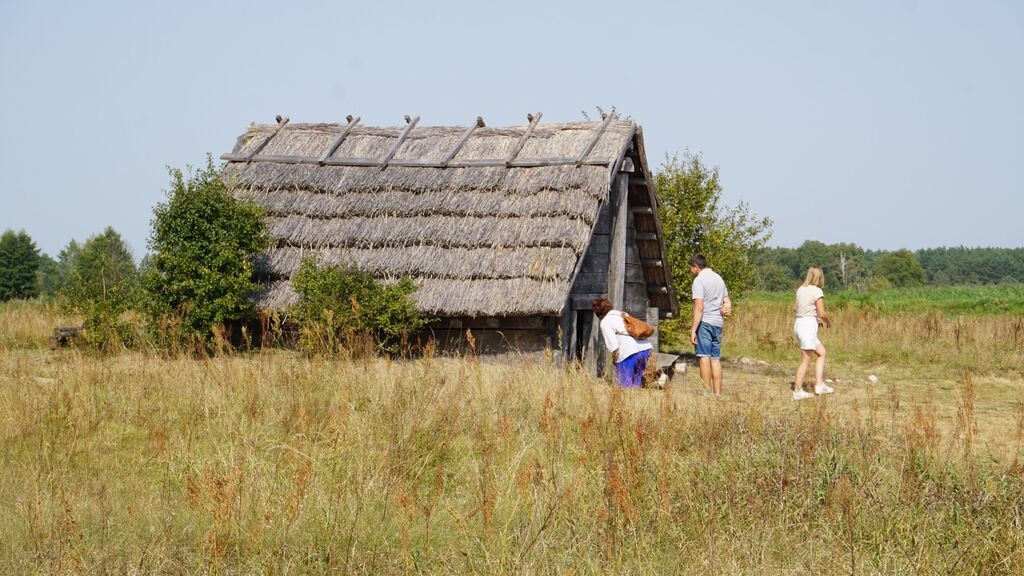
<point>489,222</point>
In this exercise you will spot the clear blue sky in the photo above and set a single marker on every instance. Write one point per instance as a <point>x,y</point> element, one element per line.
<point>886,123</point>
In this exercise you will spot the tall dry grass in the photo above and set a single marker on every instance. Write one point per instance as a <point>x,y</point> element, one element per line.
<point>986,344</point>
<point>278,463</point>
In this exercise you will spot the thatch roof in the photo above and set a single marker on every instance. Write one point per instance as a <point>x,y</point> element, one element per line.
<point>479,237</point>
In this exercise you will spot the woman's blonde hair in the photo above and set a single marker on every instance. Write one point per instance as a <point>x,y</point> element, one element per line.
<point>814,276</point>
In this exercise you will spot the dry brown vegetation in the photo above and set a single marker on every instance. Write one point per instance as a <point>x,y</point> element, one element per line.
<point>272,462</point>
<point>921,360</point>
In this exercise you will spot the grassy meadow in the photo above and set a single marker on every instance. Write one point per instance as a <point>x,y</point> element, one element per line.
<point>275,463</point>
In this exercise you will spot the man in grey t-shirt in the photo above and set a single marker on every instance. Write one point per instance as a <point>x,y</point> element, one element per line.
<point>711,305</point>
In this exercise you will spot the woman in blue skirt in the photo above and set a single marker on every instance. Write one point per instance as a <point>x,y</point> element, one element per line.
<point>629,354</point>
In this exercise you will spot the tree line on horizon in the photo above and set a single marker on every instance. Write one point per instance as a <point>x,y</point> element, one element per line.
<point>26,272</point>
<point>850,267</point>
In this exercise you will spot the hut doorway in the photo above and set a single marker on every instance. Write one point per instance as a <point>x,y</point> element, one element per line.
<point>584,323</point>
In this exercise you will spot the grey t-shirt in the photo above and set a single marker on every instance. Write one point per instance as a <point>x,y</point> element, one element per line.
<point>709,287</point>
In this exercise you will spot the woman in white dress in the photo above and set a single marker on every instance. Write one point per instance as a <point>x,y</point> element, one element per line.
<point>810,315</point>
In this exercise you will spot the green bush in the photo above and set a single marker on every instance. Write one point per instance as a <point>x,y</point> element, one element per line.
<point>346,308</point>
<point>203,241</point>
<point>102,285</point>
<point>878,284</point>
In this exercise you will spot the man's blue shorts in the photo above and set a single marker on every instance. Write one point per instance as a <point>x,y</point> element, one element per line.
<point>709,341</point>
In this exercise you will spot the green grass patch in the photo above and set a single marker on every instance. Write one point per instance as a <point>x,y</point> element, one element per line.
<point>951,300</point>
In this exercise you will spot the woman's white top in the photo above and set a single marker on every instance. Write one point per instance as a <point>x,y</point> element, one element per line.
<point>613,329</point>
<point>806,296</point>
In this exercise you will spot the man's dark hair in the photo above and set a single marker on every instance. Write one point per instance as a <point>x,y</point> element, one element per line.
<point>699,261</point>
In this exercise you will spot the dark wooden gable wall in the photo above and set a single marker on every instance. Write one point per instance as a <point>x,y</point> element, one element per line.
<point>612,268</point>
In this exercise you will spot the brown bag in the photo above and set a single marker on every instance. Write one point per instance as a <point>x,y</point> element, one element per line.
<point>637,328</point>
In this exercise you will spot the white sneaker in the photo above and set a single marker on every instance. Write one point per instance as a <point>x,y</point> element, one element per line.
<point>823,389</point>
<point>802,395</point>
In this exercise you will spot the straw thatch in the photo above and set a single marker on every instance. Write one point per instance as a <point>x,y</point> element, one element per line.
<point>478,241</point>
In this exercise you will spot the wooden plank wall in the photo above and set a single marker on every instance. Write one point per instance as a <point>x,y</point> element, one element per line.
<point>593,282</point>
<point>636,300</point>
<point>526,336</point>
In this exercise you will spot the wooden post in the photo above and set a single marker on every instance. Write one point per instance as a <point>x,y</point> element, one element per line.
<point>617,258</point>
<point>567,325</point>
<point>652,319</point>
<point>598,353</point>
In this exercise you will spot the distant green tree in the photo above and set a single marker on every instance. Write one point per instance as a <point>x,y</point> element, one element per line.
<point>202,244</point>
<point>961,265</point>
<point>695,221</point>
<point>844,263</point>
<point>871,258</point>
<point>66,262</point>
<point>19,262</point>
<point>814,253</point>
<point>48,276</point>
<point>851,270</point>
<point>773,277</point>
<point>102,285</point>
<point>901,268</point>
<point>788,258</point>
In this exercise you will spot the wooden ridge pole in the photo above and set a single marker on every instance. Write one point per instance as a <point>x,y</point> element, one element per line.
<point>370,162</point>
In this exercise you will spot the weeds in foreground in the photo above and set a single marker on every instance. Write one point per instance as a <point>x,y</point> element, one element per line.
<point>277,462</point>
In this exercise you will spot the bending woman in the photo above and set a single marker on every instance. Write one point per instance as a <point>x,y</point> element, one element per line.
<point>629,354</point>
<point>810,315</point>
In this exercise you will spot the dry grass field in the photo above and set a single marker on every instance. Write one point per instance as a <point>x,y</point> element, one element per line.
<point>921,359</point>
<point>275,463</point>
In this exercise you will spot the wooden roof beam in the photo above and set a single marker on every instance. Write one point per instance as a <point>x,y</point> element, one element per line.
<point>465,136</point>
<point>282,121</point>
<point>401,138</point>
<point>593,140</point>
<point>341,138</point>
<point>522,140</point>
